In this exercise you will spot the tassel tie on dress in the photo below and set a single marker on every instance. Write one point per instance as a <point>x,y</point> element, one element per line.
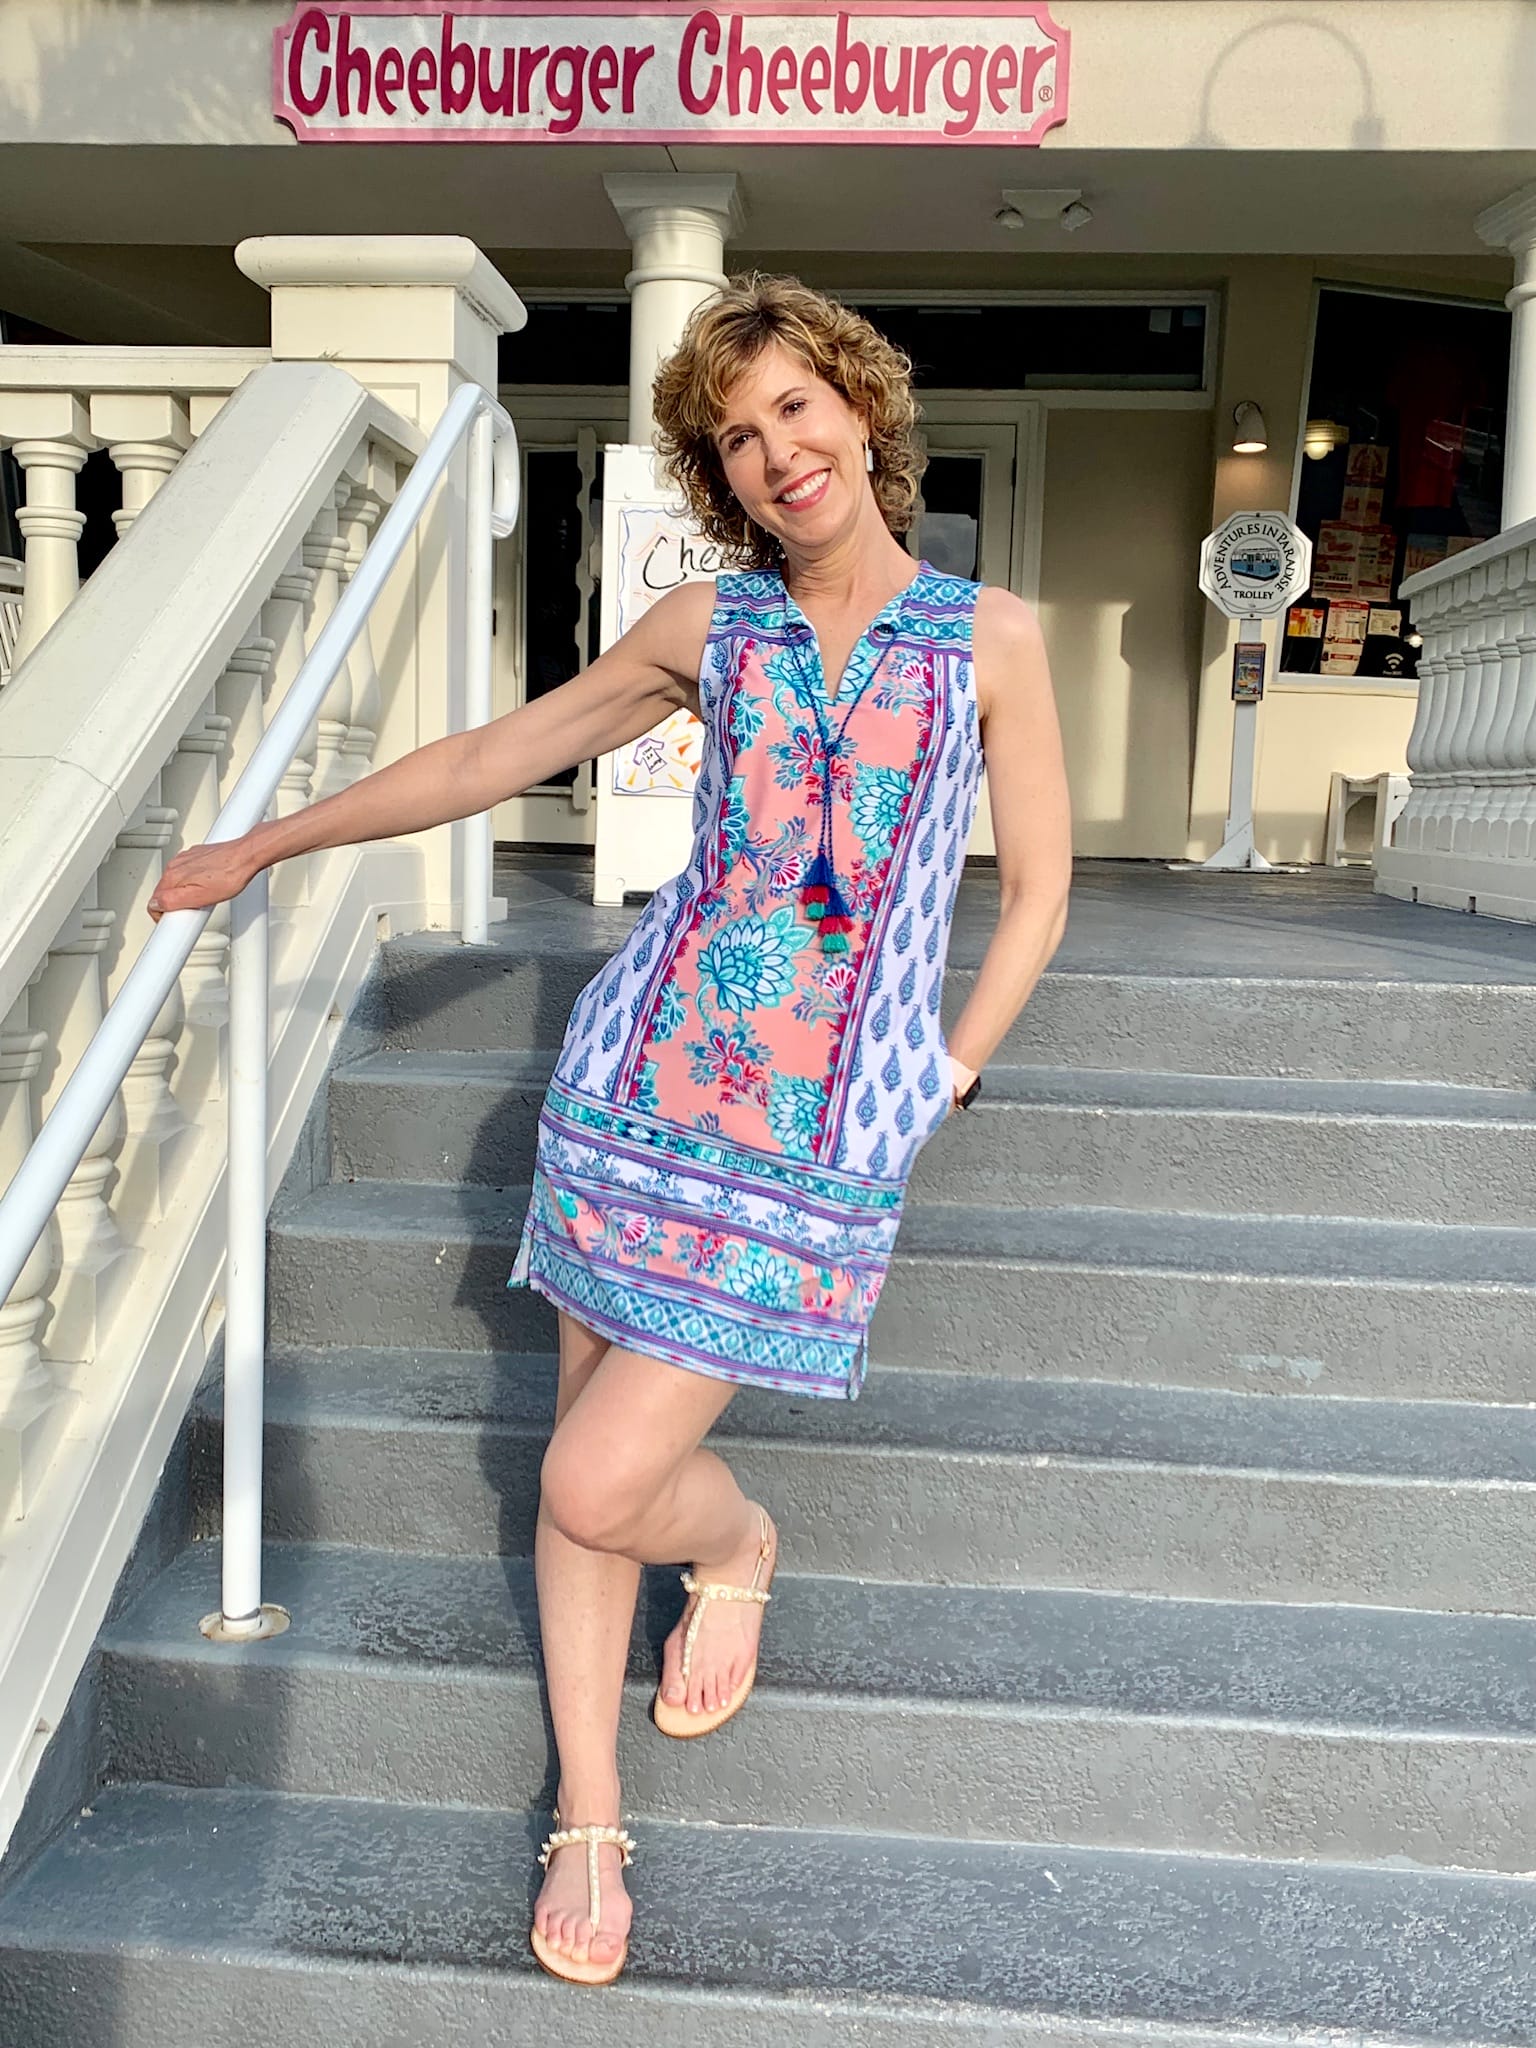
<point>821,898</point>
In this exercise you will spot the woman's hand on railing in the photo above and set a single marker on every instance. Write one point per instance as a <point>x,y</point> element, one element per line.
<point>200,876</point>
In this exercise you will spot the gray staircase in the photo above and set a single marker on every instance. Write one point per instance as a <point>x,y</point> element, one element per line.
<point>1154,1653</point>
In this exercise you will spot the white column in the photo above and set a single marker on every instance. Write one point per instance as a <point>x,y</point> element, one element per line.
<point>678,225</point>
<point>1511,224</point>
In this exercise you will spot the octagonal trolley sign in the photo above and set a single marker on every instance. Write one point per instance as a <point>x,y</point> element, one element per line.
<point>1255,564</point>
<point>622,71</point>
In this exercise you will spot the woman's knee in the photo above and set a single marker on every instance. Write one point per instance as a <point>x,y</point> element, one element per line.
<point>587,1499</point>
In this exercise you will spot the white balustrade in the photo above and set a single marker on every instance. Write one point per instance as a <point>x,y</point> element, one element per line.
<point>135,705</point>
<point>1466,838</point>
<point>57,406</point>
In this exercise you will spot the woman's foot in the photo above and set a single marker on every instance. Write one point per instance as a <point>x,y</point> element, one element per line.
<point>725,1647</point>
<point>562,1912</point>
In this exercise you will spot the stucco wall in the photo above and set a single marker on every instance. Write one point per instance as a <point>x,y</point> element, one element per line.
<point>1126,498</point>
<point>1309,732</point>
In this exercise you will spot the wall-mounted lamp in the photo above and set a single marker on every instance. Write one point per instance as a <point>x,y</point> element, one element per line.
<point>1250,436</point>
<point>1320,438</point>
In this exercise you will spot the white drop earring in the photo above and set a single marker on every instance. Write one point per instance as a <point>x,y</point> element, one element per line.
<point>869,457</point>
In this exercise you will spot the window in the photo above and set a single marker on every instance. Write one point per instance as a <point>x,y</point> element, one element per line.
<point>1404,465</point>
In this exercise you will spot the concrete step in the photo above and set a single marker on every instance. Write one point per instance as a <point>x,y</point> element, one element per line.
<point>1096,1719</point>
<point>1040,1137</point>
<point>1406,1023</point>
<point>952,1479</point>
<point>1340,1307</point>
<point>355,1922</point>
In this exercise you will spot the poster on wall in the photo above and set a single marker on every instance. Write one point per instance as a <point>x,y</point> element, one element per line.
<point>654,549</point>
<point>1344,642</point>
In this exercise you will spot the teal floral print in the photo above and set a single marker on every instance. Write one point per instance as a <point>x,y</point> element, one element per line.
<point>765,1277</point>
<point>876,809</point>
<point>794,1113</point>
<point>750,963</point>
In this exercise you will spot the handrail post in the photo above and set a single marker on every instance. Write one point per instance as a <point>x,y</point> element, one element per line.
<point>242,1617</point>
<point>477,840</point>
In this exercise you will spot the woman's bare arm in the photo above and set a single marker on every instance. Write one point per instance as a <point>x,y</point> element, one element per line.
<point>652,671</point>
<point>1031,822</point>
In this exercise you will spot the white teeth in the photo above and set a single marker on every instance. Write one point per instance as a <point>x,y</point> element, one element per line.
<point>807,489</point>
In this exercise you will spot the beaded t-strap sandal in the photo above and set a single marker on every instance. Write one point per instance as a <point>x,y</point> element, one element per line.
<point>676,1720</point>
<point>593,1838</point>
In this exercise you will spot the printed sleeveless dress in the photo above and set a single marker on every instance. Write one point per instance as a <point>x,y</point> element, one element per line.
<point>724,1149</point>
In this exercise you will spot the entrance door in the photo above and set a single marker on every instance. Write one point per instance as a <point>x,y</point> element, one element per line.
<point>548,582</point>
<point>973,514</point>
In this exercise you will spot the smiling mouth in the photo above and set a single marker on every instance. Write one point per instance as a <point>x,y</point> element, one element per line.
<point>809,487</point>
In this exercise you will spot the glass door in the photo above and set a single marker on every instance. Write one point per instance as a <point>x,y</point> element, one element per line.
<point>964,523</point>
<point>967,521</point>
<point>548,589</point>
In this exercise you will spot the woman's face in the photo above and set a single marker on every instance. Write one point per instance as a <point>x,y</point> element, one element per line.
<point>792,450</point>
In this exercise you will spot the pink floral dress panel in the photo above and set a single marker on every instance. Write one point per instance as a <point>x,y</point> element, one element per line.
<point>724,1149</point>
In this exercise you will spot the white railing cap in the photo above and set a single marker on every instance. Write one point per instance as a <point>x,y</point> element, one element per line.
<point>95,370</point>
<point>341,260</point>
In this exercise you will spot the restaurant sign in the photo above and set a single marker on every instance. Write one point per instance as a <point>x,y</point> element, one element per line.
<point>745,71</point>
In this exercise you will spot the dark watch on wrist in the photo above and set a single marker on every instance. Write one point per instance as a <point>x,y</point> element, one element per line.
<point>964,1101</point>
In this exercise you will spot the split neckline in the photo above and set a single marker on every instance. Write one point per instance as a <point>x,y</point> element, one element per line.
<point>865,652</point>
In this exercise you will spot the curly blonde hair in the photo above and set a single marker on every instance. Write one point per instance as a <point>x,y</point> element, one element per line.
<point>722,339</point>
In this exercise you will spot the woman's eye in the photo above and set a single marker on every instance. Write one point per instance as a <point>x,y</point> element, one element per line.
<point>795,405</point>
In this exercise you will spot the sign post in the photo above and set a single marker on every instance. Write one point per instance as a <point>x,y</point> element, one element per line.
<point>1251,568</point>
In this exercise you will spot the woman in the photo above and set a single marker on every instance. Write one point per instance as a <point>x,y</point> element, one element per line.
<point>725,1145</point>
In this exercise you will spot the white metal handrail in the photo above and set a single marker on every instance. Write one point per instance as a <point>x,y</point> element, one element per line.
<point>491,508</point>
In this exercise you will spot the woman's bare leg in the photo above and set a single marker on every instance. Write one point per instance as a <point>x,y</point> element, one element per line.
<point>586,1612</point>
<point>625,1474</point>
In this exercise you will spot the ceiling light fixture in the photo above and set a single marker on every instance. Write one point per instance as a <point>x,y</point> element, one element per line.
<point>1320,438</point>
<point>1250,436</point>
<point>1075,216</point>
<point>1009,217</point>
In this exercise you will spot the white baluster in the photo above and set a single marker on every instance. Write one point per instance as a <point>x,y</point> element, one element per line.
<point>1485,669</point>
<point>159,1137</point>
<point>1490,831</point>
<point>34,1405</point>
<point>50,436</point>
<point>1409,828</point>
<point>371,492</point>
<point>1457,747</point>
<point>146,434</point>
<point>190,781</point>
<point>69,1005</point>
<point>283,618</point>
<point>239,695</point>
<point>326,552</point>
<point>1515,838</point>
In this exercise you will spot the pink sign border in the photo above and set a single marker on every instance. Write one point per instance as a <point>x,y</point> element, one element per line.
<point>1036,11</point>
